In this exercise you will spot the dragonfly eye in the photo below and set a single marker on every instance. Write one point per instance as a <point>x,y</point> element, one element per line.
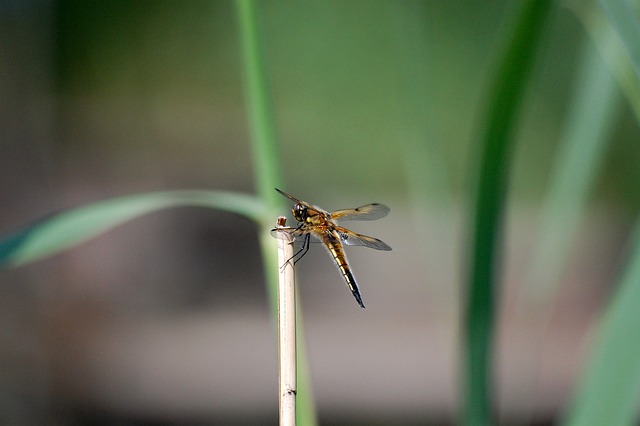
<point>299,212</point>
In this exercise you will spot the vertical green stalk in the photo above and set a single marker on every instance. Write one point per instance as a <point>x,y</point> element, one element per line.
<point>262,131</point>
<point>496,141</point>
<point>266,166</point>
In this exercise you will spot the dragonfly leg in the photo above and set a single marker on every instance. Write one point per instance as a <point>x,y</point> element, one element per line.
<point>300,253</point>
<point>303,250</point>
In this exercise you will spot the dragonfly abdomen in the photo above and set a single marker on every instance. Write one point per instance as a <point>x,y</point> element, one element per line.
<point>334,246</point>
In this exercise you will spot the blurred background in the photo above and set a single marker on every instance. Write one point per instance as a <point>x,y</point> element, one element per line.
<point>165,319</point>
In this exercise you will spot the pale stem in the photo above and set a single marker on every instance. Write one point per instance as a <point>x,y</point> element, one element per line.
<point>286,328</point>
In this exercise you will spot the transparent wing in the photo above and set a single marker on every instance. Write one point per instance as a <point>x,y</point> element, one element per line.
<point>304,203</point>
<point>367,212</point>
<point>298,234</point>
<point>350,238</point>
<point>291,197</point>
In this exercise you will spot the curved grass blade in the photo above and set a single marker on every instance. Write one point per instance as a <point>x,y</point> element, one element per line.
<point>616,44</point>
<point>624,19</point>
<point>508,90</point>
<point>610,388</point>
<point>578,161</point>
<point>68,228</point>
<point>610,385</point>
<point>591,118</point>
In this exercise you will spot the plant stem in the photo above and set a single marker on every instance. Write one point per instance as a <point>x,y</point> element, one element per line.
<point>266,163</point>
<point>286,329</point>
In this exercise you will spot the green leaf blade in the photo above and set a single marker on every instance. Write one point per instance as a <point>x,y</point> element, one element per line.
<point>66,229</point>
<point>496,142</point>
<point>610,387</point>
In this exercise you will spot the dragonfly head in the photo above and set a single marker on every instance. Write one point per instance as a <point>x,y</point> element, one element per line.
<point>299,212</point>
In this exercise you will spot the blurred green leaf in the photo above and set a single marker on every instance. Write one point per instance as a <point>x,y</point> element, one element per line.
<point>610,385</point>
<point>66,229</point>
<point>577,164</point>
<point>612,28</point>
<point>623,16</point>
<point>609,391</point>
<point>496,140</point>
<point>591,117</point>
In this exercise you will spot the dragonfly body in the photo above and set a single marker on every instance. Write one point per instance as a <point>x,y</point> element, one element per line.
<point>316,223</point>
<point>332,243</point>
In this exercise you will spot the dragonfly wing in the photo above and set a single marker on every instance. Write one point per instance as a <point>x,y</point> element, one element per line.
<point>350,238</point>
<point>304,203</point>
<point>298,234</point>
<point>295,233</point>
<point>332,243</point>
<point>291,197</point>
<point>367,212</point>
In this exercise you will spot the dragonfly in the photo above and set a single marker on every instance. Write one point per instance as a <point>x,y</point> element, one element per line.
<point>318,225</point>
